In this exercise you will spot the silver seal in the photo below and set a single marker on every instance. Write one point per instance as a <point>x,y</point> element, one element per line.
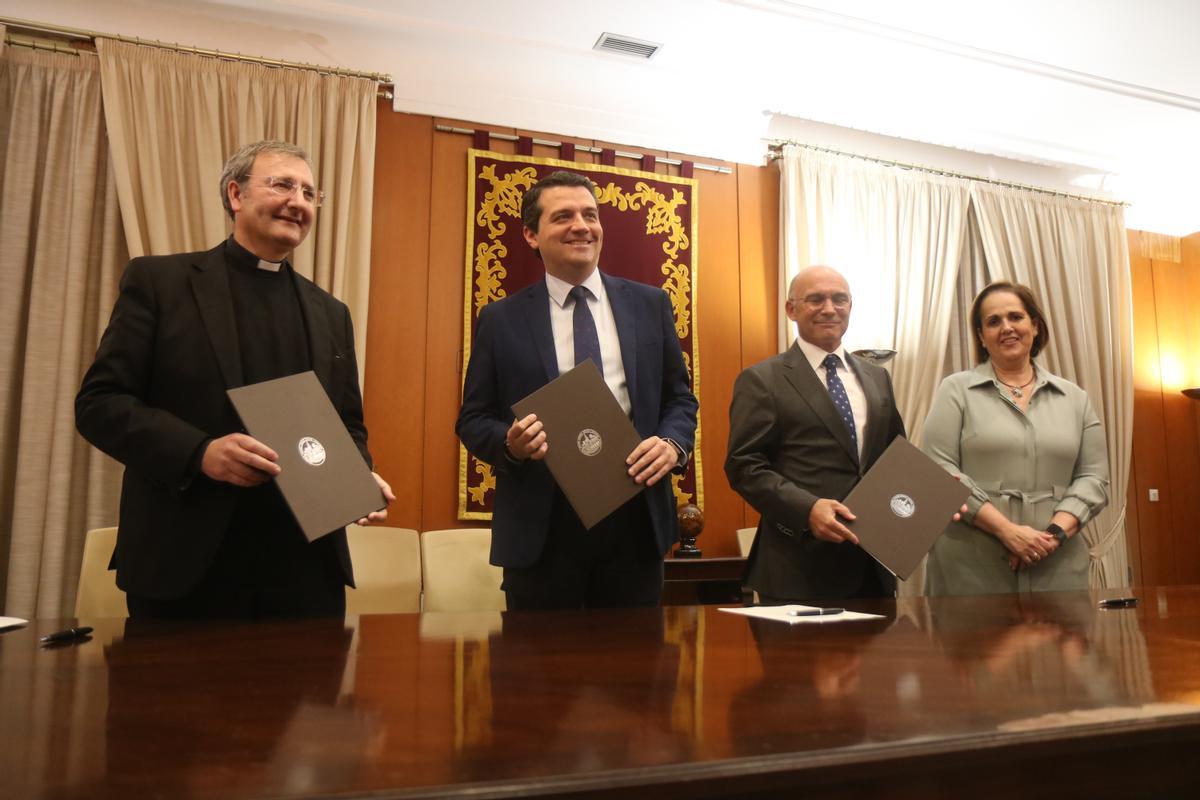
<point>312,451</point>
<point>903,506</point>
<point>589,442</point>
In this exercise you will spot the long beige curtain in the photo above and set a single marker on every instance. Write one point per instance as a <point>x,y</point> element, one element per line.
<point>62,254</point>
<point>899,237</point>
<point>1074,255</point>
<point>175,118</point>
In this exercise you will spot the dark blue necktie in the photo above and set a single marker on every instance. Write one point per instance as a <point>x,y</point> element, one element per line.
<point>837,391</point>
<point>587,342</point>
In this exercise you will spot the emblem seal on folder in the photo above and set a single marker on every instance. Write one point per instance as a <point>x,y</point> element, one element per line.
<point>312,451</point>
<point>902,505</point>
<point>589,442</point>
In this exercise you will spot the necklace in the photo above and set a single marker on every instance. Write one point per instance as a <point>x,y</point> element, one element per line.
<point>1017,391</point>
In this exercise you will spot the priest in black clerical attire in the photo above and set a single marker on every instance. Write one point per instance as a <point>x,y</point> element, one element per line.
<point>203,530</point>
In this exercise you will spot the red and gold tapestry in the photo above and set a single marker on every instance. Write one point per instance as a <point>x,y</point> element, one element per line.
<point>649,236</point>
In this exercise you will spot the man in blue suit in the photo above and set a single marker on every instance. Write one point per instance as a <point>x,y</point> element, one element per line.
<point>526,340</point>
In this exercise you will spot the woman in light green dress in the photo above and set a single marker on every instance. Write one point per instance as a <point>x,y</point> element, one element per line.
<point>1029,446</point>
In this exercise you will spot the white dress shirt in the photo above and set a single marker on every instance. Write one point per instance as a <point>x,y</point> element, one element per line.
<point>562,322</point>
<point>854,391</point>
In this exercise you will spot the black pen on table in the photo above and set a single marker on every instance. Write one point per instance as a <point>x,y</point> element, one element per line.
<point>1119,602</point>
<point>815,612</point>
<point>70,634</point>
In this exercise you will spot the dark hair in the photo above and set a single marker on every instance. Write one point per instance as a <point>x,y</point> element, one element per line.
<point>1031,308</point>
<point>238,167</point>
<point>531,209</point>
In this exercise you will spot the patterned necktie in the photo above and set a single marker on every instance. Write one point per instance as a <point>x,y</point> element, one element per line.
<point>587,343</point>
<point>838,392</point>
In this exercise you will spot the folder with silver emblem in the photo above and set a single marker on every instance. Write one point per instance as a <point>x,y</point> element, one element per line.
<point>589,439</point>
<point>902,505</point>
<point>324,479</point>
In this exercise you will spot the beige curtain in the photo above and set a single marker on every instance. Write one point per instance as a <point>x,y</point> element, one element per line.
<point>175,118</point>
<point>62,254</point>
<point>898,236</point>
<point>1074,255</point>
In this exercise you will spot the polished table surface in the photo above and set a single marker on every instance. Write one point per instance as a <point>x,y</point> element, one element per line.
<point>1030,696</point>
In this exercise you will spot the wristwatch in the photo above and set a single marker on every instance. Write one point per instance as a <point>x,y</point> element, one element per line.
<point>1057,532</point>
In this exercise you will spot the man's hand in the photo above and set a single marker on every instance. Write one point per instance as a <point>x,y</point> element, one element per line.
<point>824,523</point>
<point>239,459</point>
<point>526,439</point>
<point>651,460</point>
<point>380,515</point>
<point>962,510</point>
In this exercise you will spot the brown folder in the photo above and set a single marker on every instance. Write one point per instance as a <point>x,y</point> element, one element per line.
<point>902,505</point>
<point>589,439</point>
<point>325,481</point>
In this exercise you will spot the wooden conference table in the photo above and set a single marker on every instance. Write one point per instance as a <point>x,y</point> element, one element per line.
<point>1029,696</point>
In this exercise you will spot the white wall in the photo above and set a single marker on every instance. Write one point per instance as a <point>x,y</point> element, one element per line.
<point>1101,97</point>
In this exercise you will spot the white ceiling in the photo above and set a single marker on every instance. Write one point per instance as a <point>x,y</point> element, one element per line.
<point>1108,91</point>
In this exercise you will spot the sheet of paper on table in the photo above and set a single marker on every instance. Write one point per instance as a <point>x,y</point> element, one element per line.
<point>784,614</point>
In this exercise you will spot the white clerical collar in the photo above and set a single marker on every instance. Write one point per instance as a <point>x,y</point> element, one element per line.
<point>270,266</point>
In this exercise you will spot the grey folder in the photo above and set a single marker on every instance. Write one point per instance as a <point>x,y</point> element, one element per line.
<point>590,437</point>
<point>324,478</point>
<point>902,505</point>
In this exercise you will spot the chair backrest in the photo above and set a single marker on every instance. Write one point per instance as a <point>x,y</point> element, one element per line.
<point>455,571</point>
<point>387,570</point>
<point>745,537</point>
<point>98,596</point>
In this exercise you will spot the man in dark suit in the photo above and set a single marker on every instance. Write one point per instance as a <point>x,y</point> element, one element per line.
<point>528,339</point>
<point>203,530</point>
<point>804,426</point>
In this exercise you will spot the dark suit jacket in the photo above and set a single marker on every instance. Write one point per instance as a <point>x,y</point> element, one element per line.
<point>788,448</point>
<point>157,390</point>
<point>513,355</point>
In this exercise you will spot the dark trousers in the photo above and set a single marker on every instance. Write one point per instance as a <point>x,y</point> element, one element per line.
<point>614,565</point>
<point>264,569</point>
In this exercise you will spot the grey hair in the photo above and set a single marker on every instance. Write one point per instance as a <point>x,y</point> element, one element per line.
<point>237,168</point>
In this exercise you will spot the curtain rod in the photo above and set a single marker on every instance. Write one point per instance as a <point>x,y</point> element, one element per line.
<point>91,36</point>
<point>775,145</point>
<point>17,40</point>
<point>508,137</point>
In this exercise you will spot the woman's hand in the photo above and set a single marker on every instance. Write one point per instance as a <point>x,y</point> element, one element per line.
<point>1026,545</point>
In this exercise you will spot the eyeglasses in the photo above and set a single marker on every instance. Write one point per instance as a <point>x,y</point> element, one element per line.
<point>841,300</point>
<point>286,187</point>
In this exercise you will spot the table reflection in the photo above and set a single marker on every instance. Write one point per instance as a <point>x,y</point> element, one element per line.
<point>209,726</point>
<point>810,695</point>
<point>412,703</point>
<point>578,690</point>
<point>1044,652</point>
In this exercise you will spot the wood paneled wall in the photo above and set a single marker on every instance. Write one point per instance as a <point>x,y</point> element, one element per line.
<point>414,339</point>
<point>1164,535</point>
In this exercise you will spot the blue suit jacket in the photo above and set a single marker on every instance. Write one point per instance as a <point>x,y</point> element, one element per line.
<point>513,355</point>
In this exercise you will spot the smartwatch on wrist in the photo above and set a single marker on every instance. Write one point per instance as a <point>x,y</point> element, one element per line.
<point>1057,532</point>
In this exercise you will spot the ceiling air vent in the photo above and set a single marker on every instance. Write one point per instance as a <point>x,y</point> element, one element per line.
<point>626,46</point>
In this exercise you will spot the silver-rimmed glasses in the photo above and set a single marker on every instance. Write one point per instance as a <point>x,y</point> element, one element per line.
<point>286,187</point>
